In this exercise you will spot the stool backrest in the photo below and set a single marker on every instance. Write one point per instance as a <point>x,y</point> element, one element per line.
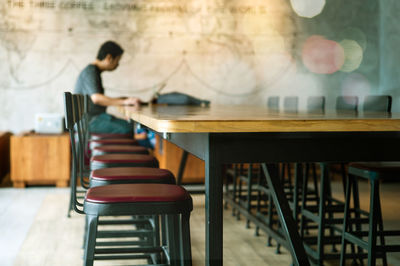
<point>316,104</point>
<point>378,103</point>
<point>273,103</point>
<point>347,103</point>
<point>291,104</point>
<point>73,106</point>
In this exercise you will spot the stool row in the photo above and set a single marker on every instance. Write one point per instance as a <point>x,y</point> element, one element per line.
<point>323,220</point>
<point>122,180</point>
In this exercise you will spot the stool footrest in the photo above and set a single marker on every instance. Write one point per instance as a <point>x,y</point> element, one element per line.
<point>121,243</point>
<point>128,250</point>
<point>353,239</point>
<point>123,257</point>
<point>124,233</point>
<point>121,222</point>
<point>389,248</point>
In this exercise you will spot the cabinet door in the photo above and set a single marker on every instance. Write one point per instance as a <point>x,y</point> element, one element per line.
<point>40,159</point>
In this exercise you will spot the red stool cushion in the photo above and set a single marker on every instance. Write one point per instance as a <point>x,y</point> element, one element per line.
<point>110,135</point>
<point>115,141</point>
<point>131,173</point>
<point>121,148</point>
<point>131,193</point>
<point>123,158</point>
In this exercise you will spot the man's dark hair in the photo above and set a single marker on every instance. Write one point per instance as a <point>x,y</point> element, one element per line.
<point>111,48</point>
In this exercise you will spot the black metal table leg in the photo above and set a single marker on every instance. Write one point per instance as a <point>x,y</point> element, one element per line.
<point>214,219</point>
<point>285,216</point>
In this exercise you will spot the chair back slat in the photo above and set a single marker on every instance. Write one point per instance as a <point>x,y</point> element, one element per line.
<point>316,104</point>
<point>291,104</point>
<point>378,103</point>
<point>347,103</point>
<point>68,111</point>
<point>273,103</point>
<point>73,115</point>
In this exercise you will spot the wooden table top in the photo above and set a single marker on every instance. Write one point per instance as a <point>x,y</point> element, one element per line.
<point>219,118</point>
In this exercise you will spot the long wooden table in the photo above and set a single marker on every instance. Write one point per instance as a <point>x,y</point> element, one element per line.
<point>244,134</point>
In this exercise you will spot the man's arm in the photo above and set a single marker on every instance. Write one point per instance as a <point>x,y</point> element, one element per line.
<point>101,99</point>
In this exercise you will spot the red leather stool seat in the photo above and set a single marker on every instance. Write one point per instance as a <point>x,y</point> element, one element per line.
<point>129,173</point>
<point>110,136</point>
<point>131,193</point>
<point>123,158</point>
<point>106,149</point>
<point>98,142</point>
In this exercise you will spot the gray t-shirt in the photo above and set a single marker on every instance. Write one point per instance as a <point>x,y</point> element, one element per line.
<point>88,83</point>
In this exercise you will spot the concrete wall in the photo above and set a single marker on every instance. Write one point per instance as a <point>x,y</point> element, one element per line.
<point>390,55</point>
<point>229,52</point>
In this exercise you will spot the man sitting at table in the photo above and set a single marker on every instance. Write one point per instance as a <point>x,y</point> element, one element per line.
<point>89,83</point>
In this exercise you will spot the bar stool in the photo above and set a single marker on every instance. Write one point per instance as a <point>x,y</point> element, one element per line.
<point>368,239</point>
<point>377,103</point>
<point>347,104</point>
<point>323,209</point>
<point>373,172</point>
<point>291,104</point>
<point>316,104</point>
<point>246,174</point>
<point>273,103</point>
<point>265,209</point>
<point>141,199</point>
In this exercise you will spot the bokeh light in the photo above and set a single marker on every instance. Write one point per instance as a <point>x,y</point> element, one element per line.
<point>355,34</point>
<point>353,55</point>
<point>308,8</point>
<point>322,56</point>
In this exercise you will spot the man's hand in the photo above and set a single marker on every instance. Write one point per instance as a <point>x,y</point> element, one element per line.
<point>103,100</point>
<point>132,101</point>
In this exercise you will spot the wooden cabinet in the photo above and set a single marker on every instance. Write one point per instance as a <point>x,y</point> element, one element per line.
<point>40,159</point>
<point>169,155</point>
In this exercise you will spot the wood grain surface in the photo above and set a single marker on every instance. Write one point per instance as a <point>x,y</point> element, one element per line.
<point>40,159</point>
<point>255,119</point>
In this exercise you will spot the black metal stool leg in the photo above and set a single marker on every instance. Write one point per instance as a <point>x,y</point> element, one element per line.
<point>90,240</point>
<point>258,204</point>
<point>186,242</point>
<point>330,205</point>
<point>297,178</point>
<point>270,218</point>
<point>234,189</point>
<point>345,220</point>
<point>381,235</point>
<point>173,239</point>
<point>356,200</point>
<point>239,196</point>
<point>321,214</point>
<point>249,192</point>
<point>303,204</point>
<point>373,221</point>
